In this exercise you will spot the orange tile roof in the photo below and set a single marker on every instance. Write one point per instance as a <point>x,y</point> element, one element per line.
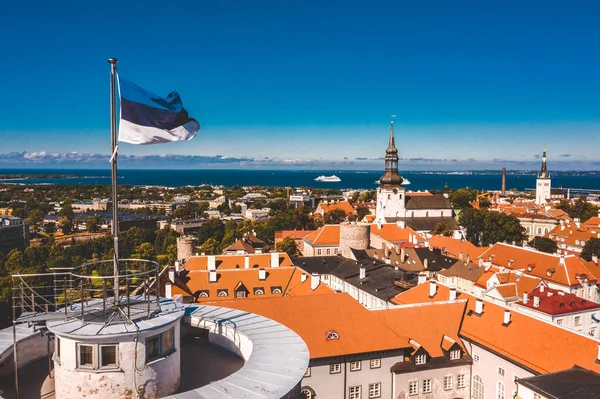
<point>236,261</point>
<point>343,205</point>
<point>507,290</point>
<point>312,317</point>
<point>483,279</point>
<point>571,235</point>
<point>295,234</point>
<point>537,345</point>
<point>393,233</point>
<point>326,235</point>
<point>454,247</point>
<point>287,279</point>
<point>419,194</point>
<point>592,222</point>
<point>540,262</point>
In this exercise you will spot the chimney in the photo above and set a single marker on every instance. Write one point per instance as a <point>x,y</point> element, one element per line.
<point>478,306</point>
<point>525,298</point>
<point>415,239</point>
<point>481,262</point>
<point>410,237</point>
<point>402,255</point>
<point>171,275</point>
<point>425,263</point>
<point>422,279</point>
<point>536,301</point>
<point>426,244</point>
<point>460,255</point>
<point>444,251</point>
<point>506,317</point>
<point>452,294</point>
<point>595,259</point>
<point>176,265</point>
<point>212,262</point>
<point>168,289</point>
<point>274,259</point>
<point>432,288</point>
<point>542,288</point>
<point>467,258</point>
<point>303,277</point>
<point>262,274</point>
<point>402,224</point>
<point>598,358</point>
<point>577,222</point>
<point>246,262</point>
<point>314,281</point>
<point>503,181</point>
<point>212,276</point>
<point>363,273</point>
<point>562,260</point>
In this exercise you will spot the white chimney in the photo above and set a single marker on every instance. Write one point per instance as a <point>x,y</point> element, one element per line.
<point>212,262</point>
<point>432,288</point>
<point>314,281</point>
<point>303,277</point>
<point>212,276</point>
<point>262,274</point>
<point>274,259</point>
<point>460,255</point>
<point>481,262</point>
<point>422,279</point>
<point>410,237</point>
<point>415,239</point>
<point>562,260</point>
<point>542,288</point>
<point>402,224</point>
<point>246,262</point>
<point>478,306</point>
<point>506,316</point>
<point>363,273</point>
<point>176,265</point>
<point>426,244</point>
<point>168,289</point>
<point>598,358</point>
<point>452,294</point>
<point>536,301</point>
<point>525,298</point>
<point>595,259</point>
<point>425,263</point>
<point>402,255</point>
<point>577,222</point>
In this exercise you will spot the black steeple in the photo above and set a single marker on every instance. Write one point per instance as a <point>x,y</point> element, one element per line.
<point>391,177</point>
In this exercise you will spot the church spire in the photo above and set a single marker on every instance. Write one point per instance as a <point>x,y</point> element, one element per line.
<point>544,171</point>
<point>391,176</point>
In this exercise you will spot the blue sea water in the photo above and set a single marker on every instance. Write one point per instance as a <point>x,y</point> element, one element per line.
<point>297,178</point>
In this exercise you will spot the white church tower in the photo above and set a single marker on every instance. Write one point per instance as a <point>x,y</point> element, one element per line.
<point>543,186</point>
<point>390,194</point>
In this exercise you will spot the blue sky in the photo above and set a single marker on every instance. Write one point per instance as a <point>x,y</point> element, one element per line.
<point>293,83</point>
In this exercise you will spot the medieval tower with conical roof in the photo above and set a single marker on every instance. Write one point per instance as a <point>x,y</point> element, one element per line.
<point>390,194</point>
<point>543,186</point>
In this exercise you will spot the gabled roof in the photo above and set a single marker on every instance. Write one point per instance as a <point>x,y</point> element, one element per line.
<point>466,270</point>
<point>295,234</point>
<point>236,261</point>
<point>550,267</point>
<point>393,233</point>
<point>455,247</point>
<point>572,235</point>
<point>593,222</point>
<point>425,223</point>
<point>554,302</point>
<point>438,201</point>
<point>326,235</point>
<point>342,205</point>
<point>249,244</point>
<point>415,259</point>
<point>536,345</point>
<point>576,383</point>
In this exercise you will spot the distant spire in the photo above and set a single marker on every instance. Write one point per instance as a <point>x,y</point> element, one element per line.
<point>391,176</point>
<point>392,140</point>
<point>544,171</point>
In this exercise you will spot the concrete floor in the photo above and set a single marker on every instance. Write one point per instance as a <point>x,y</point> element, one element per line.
<point>201,363</point>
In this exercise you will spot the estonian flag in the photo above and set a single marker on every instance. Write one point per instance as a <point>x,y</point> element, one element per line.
<point>150,119</point>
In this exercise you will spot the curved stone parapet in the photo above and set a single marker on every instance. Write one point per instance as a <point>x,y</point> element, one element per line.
<point>276,358</point>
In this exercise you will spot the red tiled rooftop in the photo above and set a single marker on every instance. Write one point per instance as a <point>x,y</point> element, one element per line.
<point>554,302</point>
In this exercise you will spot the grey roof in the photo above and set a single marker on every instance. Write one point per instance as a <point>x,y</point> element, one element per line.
<point>426,223</point>
<point>466,270</point>
<point>414,259</point>
<point>576,383</point>
<point>427,202</point>
<point>274,367</point>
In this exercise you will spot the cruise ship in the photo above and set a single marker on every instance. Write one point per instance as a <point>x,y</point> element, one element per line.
<point>328,179</point>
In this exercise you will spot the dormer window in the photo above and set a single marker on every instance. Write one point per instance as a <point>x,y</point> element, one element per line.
<point>420,359</point>
<point>332,335</point>
<point>259,291</point>
<point>455,354</point>
<point>222,293</point>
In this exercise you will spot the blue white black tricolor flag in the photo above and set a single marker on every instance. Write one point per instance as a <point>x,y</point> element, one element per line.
<point>147,118</point>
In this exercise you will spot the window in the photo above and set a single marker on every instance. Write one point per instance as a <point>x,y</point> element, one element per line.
<point>307,393</point>
<point>539,230</point>
<point>203,294</point>
<point>476,358</point>
<point>275,290</point>
<point>160,345</point>
<point>537,396</point>
<point>240,294</point>
<point>448,382</point>
<point>460,380</point>
<point>413,387</point>
<point>500,390</point>
<point>559,322</point>
<point>375,390</point>
<point>307,372</point>
<point>455,354</point>
<point>222,293</point>
<point>427,386</point>
<point>335,368</point>
<point>420,359</point>
<point>375,363</point>
<point>332,335</point>
<point>335,251</point>
<point>259,291</point>
<point>501,371</point>
<point>108,356</point>
<point>478,388</point>
<point>86,356</point>
<point>577,321</point>
<point>328,251</point>
<point>319,251</point>
<point>592,332</point>
<point>354,392</point>
<point>355,366</point>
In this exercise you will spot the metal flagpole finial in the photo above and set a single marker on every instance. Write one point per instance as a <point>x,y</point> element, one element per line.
<point>113,61</point>
<point>393,117</point>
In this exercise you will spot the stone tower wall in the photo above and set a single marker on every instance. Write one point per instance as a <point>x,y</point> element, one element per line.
<point>186,247</point>
<point>353,235</point>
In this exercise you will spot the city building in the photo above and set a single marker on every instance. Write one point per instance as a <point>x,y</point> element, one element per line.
<point>572,237</point>
<point>324,241</point>
<point>543,186</point>
<point>575,383</point>
<point>391,235</point>
<point>420,211</point>
<point>248,244</point>
<point>86,206</point>
<point>166,207</point>
<point>457,248</point>
<point>296,235</point>
<point>14,233</point>
<point>257,214</point>
<point>330,206</point>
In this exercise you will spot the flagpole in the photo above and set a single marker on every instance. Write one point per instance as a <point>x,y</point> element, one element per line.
<point>115,203</point>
